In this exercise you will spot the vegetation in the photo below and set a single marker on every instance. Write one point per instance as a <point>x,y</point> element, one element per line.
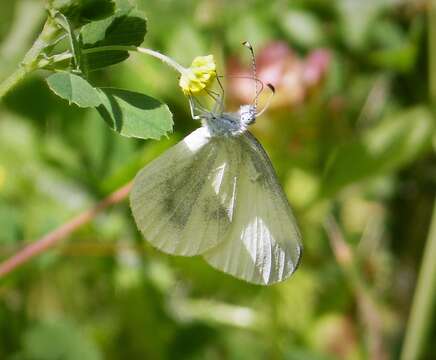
<point>86,103</point>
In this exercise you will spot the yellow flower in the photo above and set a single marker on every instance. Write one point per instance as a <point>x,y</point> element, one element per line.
<point>199,75</point>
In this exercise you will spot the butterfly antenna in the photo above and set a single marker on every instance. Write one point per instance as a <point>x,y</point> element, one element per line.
<point>253,67</point>
<point>220,98</point>
<point>258,82</point>
<point>220,85</point>
<point>273,90</point>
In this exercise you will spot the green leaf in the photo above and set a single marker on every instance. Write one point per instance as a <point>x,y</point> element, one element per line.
<point>303,28</point>
<point>401,59</point>
<point>80,12</point>
<point>356,19</point>
<point>10,220</point>
<point>135,115</point>
<point>397,52</point>
<point>126,27</point>
<point>74,43</point>
<point>74,89</point>
<point>58,340</point>
<point>393,143</point>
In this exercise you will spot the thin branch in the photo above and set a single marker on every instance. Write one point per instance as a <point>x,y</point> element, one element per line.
<point>52,238</point>
<point>84,247</point>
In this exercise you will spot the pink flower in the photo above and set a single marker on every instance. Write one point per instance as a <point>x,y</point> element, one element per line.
<point>277,64</point>
<point>316,66</point>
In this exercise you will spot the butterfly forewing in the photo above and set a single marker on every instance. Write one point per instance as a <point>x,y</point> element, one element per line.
<point>263,242</point>
<point>183,201</point>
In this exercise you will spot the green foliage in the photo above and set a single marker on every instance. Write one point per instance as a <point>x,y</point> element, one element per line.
<point>57,340</point>
<point>358,147</point>
<point>130,114</point>
<point>303,28</point>
<point>80,12</point>
<point>126,27</point>
<point>356,19</point>
<point>74,89</point>
<point>394,142</point>
<point>10,223</point>
<point>135,115</point>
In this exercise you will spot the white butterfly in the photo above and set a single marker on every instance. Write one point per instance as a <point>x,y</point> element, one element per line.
<point>215,194</point>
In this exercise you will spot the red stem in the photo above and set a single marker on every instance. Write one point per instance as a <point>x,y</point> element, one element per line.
<point>47,241</point>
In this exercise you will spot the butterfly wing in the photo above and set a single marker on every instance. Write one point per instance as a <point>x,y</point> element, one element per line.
<point>183,201</point>
<point>262,245</point>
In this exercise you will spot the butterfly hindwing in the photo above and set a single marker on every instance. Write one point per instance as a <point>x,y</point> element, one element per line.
<point>263,242</point>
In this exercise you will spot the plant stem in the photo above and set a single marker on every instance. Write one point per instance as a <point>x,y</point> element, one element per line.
<point>11,81</point>
<point>423,302</point>
<point>52,238</point>
<point>47,36</point>
<point>422,311</point>
<point>432,51</point>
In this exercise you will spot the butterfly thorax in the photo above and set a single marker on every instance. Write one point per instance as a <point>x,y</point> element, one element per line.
<point>229,123</point>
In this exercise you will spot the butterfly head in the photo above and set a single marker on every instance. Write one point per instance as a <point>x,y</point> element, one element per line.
<point>247,114</point>
<point>220,122</point>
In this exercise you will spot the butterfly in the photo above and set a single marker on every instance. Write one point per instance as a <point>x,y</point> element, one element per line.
<point>216,194</point>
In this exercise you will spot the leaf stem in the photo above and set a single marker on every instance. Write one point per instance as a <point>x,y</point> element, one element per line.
<point>52,238</point>
<point>167,60</point>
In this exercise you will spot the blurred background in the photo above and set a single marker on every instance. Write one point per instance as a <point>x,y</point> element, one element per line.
<point>351,135</point>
